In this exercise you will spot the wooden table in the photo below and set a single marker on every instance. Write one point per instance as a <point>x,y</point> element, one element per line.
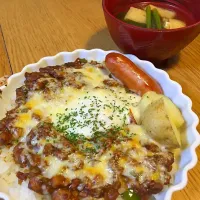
<point>32,29</point>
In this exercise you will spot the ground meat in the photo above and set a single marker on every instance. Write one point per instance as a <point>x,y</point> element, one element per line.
<point>88,183</point>
<point>34,171</point>
<point>148,187</point>
<point>3,124</point>
<point>167,178</point>
<point>153,187</point>
<point>8,122</point>
<point>40,84</point>
<point>8,132</point>
<point>111,194</point>
<point>86,189</point>
<point>43,130</point>
<point>5,137</point>
<point>33,76</point>
<point>13,112</point>
<point>93,62</point>
<point>66,143</point>
<point>21,95</point>
<point>49,69</point>
<point>112,83</point>
<point>96,193</point>
<point>22,176</point>
<point>152,147</point>
<point>34,159</point>
<point>60,75</point>
<point>17,132</point>
<point>84,193</point>
<point>77,64</point>
<point>72,65</point>
<point>75,183</point>
<point>78,85</point>
<point>54,71</point>
<point>73,79</point>
<point>64,194</point>
<point>49,149</point>
<point>111,191</point>
<point>52,88</point>
<point>18,155</point>
<point>98,180</point>
<point>31,79</point>
<point>166,160</point>
<point>40,185</point>
<point>59,181</point>
<point>146,197</point>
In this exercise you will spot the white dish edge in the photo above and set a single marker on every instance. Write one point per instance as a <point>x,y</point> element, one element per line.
<point>171,89</point>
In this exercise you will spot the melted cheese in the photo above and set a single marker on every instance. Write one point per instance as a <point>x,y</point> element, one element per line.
<point>104,107</point>
<point>91,170</point>
<point>92,76</point>
<point>104,104</point>
<point>23,118</point>
<point>111,106</point>
<point>94,107</point>
<point>26,122</point>
<point>100,168</point>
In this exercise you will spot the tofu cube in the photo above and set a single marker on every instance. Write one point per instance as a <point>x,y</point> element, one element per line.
<point>173,23</point>
<point>136,15</point>
<point>164,13</point>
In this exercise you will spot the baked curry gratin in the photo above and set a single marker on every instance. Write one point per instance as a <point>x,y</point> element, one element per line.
<point>78,133</point>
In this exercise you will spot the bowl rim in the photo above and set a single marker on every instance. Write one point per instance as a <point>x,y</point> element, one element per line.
<point>147,29</point>
<point>150,69</point>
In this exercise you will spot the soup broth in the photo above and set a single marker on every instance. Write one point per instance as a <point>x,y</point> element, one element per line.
<point>181,13</point>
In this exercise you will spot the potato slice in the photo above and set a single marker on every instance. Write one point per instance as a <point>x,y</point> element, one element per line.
<point>147,99</point>
<point>164,13</point>
<point>136,15</point>
<point>136,113</point>
<point>173,23</point>
<point>159,127</point>
<point>174,113</point>
<point>172,110</point>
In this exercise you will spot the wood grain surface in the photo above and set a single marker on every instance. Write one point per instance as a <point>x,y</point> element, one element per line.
<point>33,29</point>
<point>5,68</point>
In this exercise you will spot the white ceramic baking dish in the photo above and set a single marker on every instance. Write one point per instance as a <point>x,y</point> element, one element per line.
<point>171,89</point>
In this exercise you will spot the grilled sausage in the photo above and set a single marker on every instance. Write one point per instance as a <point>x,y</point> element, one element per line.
<point>130,75</point>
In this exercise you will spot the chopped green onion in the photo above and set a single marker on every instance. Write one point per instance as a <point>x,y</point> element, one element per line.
<point>148,16</point>
<point>157,19</point>
<point>130,195</point>
<point>153,23</point>
<point>83,60</point>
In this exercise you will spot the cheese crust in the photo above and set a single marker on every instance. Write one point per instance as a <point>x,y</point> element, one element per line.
<point>72,133</point>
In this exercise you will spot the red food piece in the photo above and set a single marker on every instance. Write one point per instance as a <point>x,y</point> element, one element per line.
<point>130,75</point>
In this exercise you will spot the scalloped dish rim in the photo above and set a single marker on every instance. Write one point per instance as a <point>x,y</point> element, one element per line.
<point>171,89</point>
